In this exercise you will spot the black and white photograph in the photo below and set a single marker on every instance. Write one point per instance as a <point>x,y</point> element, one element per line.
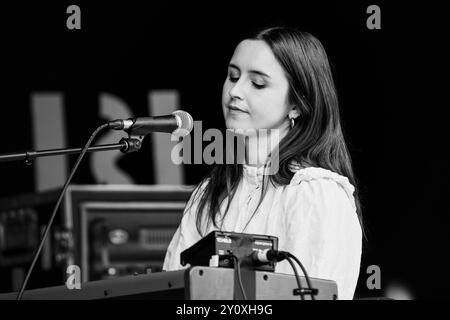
<point>224,151</point>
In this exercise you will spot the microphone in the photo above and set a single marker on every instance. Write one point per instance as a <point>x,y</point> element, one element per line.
<point>179,123</point>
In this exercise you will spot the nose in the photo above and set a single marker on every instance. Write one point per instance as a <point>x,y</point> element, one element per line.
<point>236,90</point>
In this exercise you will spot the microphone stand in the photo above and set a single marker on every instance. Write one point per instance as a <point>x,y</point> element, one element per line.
<point>125,145</point>
<point>132,143</point>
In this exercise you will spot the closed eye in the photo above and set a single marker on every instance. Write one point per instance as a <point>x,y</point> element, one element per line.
<point>258,86</point>
<point>233,79</point>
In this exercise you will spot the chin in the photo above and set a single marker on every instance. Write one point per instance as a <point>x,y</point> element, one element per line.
<point>241,127</point>
<point>232,123</point>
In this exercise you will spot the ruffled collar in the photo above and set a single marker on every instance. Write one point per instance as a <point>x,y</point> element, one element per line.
<point>254,175</point>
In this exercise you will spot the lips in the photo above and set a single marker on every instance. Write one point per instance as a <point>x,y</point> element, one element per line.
<point>235,108</point>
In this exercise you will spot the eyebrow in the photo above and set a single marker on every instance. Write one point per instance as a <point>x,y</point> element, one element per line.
<point>251,71</point>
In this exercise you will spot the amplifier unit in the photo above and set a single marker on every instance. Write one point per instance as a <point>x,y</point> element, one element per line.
<point>222,243</point>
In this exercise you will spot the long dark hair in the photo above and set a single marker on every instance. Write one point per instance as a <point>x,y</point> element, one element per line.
<point>316,140</point>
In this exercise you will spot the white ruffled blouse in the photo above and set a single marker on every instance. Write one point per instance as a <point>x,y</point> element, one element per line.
<point>314,218</point>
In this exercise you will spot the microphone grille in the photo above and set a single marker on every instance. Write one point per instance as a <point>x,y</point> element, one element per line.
<point>185,123</point>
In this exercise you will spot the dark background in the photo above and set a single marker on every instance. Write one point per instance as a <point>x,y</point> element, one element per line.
<point>390,83</point>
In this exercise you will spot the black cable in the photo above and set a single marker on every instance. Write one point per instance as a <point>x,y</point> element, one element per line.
<point>297,277</point>
<point>238,271</point>
<point>52,217</point>
<point>289,255</point>
<point>277,256</point>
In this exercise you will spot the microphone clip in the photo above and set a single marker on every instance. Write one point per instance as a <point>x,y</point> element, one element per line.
<point>131,144</point>
<point>134,141</point>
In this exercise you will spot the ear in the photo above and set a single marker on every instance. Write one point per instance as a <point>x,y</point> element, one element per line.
<point>293,113</point>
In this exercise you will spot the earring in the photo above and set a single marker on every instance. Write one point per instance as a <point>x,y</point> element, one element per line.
<point>292,123</point>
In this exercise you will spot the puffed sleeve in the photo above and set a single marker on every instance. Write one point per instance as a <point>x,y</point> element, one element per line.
<point>323,229</point>
<point>186,234</point>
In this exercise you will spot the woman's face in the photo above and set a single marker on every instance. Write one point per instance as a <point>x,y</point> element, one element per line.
<point>255,92</point>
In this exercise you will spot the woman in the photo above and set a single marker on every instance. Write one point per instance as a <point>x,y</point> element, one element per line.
<point>281,79</point>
